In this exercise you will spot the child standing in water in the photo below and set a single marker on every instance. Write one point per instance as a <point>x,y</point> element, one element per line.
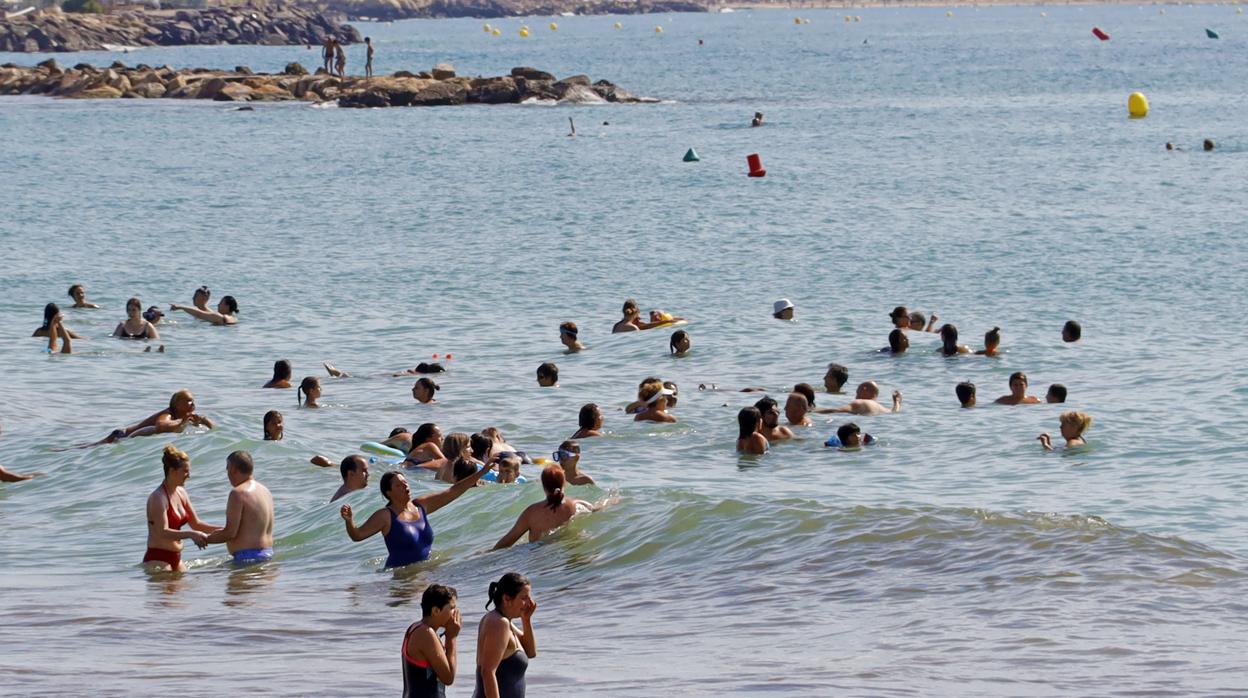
<point>1073,426</point>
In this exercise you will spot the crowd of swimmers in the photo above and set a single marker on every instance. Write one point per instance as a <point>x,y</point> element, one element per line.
<point>466,461</point>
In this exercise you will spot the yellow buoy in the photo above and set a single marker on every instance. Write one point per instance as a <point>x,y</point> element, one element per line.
<point>554,27</point>
<point>949,13</point>
<point>658,30</point>
<point>619,25</point>
<point>524,32</point>
<point>797,20</point>
<point>496,32</point>
<point>1137,105</point>
<point>848,18</point>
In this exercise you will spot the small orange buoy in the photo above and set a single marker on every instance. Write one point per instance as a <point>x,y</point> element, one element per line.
<point>435,356</point>
<point>449,357</point>
<point>1096,31</point>
<point>756,165</point>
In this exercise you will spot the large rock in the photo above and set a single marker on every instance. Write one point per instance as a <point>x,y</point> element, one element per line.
<point>581,94</point>
<point>531,74</point>
<point>493,91</point>
<point>150,90</point>
<point>209,89</point>
<point>101,92</point>
<point>233,92</point>
<point>443,71</point>
<point>295,69</point>
<point>269,93</point>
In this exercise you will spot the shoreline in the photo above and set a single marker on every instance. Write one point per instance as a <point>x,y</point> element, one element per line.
<point>877,5</point>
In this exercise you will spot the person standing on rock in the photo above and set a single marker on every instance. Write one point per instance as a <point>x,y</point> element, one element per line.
<point>341,62</point>
<point>368,63</point>
<point>327,53</point>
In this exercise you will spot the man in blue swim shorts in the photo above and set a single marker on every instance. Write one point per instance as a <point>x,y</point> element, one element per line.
<point>248,530</point>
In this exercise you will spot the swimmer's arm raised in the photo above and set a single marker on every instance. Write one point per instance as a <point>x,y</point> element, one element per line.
<point>233,517</point>
<point>377,523</point>
<point>437,500</point>
<point>896,401</point>
<point>205,315</point>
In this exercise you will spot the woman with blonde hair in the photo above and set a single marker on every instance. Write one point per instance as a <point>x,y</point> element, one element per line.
<point>1073,424</point>
<point>653,398</point>
<point>168,510</point>
<point>456,445</point>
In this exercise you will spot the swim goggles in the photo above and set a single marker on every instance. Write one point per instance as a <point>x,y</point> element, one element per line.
<point>561,454</point>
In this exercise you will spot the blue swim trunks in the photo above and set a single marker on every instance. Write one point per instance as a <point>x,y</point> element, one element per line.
<point>253,556</point>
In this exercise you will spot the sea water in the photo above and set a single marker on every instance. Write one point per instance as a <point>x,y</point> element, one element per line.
<point>979,166</point>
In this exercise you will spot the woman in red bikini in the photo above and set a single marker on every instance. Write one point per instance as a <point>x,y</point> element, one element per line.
<point>168,510</point>
<point>429,662</point>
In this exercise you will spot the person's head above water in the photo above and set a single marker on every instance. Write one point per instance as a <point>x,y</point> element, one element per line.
<point>435,367</point>
<point>426,433</point>
<point>918,320</point>
<point>456,444</point>
<point>174,459</point>
<point>679,342</point>
<point>309,386</point>
<point>1074,424</point>
<point>849,435</point>
<point>653,394</point>
<point>1056,393</point>
<point>437,605</point>
<point>966,393</point>
<point>228,306</point>
<point>590,417</point>
<point>282,371</point>
<point>239,467</point>
<point>50,313</point>
<point>274,426</point>
<point>898,343</point>
<point>1018,383</point>
<point>749,419</point>
<point>553,481</point>
<point>992,339</point>
<point>630,308</point>
<point>200,297</point>
<point>510,595</point>
<point>394,488</point>
<point>567,334</point>
<point>796,407</point>
<point>782,309</point>
<point>835,378</point>
<point>1072,331</point>
<point>900,317</point>
<point>547,375</point>
<point>181,404</point>
<point>354,471</point>
<point>480,445</point>
<point>1208,144</point>
<point>948,339</point>
<point>769,410</point>
<point>424,389</point>
<point>78,292</point>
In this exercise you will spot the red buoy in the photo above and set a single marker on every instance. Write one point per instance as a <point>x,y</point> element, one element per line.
<point>756,165</point>
<point>1096,31</point>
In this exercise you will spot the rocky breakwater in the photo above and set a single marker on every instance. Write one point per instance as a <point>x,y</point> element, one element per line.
<point>406,9</point>
<point>436,87</point>
<point>54,30</point>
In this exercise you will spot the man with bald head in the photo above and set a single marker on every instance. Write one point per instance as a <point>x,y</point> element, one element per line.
<point>865,403</point>
<point>354,471</point>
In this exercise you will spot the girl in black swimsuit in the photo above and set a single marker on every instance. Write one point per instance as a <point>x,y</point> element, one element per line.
<point>135,326</point>
<point>503,650</point>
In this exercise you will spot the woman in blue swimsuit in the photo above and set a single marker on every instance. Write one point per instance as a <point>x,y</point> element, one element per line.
<point>404,521</point>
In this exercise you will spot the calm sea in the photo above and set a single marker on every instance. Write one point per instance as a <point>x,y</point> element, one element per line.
<point>981,166</point>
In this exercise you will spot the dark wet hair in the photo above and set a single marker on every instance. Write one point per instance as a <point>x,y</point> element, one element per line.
<point>1072,329</point>
<point>462,468</point>
<point>511,584</point>
<point>307,384</point>
<point>1016,375</point>
<point>1058,391</point>
<point>366,40</point>
<point>282,370</point>
<point>676,337</point>
<point>965,391</point>
<point>397,430</point>
<point>50,311</point>
<point>435,367</point>
<point>269,417</point>
<point>230,304</point>
<point>423,433</point>
<point>949,339</point>
<point>71,289</point>
<point>807,391</point>
<point>553,481</point>
<point>1208,144</point>
<point>204,290</point>
<point>387,481</point>
<point>241,460</point>
<point>589,415</point>
<point>135,302</point>
<point>548,370</point>
<point>992,337</point>
<point>428,384</point>
<point>843,431</point>
<point>897,342</point>
<point>748,420</point>
<point>839,372</point>
<point>436,595</point>
<point>351,464</point>
<point>480,445</point>
<point>767,404</point>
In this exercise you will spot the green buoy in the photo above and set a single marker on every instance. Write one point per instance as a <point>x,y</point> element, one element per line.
<point>691,155</point>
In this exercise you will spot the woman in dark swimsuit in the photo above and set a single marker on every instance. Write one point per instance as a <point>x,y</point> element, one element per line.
<point>404,522</point>
<point>500,663</point>
<point>135,326</point>
<point>429,663</point>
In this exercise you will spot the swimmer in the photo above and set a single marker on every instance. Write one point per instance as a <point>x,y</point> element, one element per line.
<point>177,417</point>
<point>671,399</point>
<point>569,457</point>
<point>1072,331</point>
<point>782,309</point>
<point>501,445</point>
<point>919,323</point>
<point>865,403</point>
<point>354,470</point>
<point>772,430</point>
<point>1171,146</point>
<point>757,120</point>
<point>835,378</point>
<point>58,332</point>
<point>900,317</point>
<point>481,447</point>
<point>500,662</point>
<point>548,375</point>
<point>654,398</point>
<point>949,341</point>
<point>403,523</point>
<point>589,422</point>
<point>282,371</point>
<point>225,314</point>
<point>52,316</point>
<point>153,315</point>
<point>573,126</point>
<point>248,530</point>
<point>1018,392</point>
<point>421,368</point>
<point>78,292</point>
<point>679,343</point>
<point>966,393</point>
<point>134,326</point>
<point>898,343</point>
<point>274,426</point>
<point>508,468</point>
<point>168,510</point>
<point>400,438</point>
<point>309,392</point>
<point>807,391</point>
<point>10,476</point>
<point>429,661</point>
<point>1208,145</point>
<point>200,297</point>
<point>631,322</point>
<point>455,447</point>
<point>749,438</point>
<point>796,408</point>
<point>426,447</point>
<point>1073,424</point>
<point>334,371</point>
<point>567,335</point>
<point>851,438</point>
<point>1055,394</point>
<point>992,340</point>
<point>541,518</point>
<point>424,389</point>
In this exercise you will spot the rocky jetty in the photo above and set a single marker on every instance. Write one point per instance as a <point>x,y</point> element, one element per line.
<point>405,9</point>
<point>54,30</point>
<point>437,87</point>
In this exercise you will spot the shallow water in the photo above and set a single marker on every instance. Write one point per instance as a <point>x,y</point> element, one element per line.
<point>981,166</point>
